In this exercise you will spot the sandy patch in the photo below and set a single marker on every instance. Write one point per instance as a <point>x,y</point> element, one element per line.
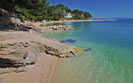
<point>40,73</point>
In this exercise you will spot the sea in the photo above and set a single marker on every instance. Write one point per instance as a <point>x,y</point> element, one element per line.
<point>108,54</point>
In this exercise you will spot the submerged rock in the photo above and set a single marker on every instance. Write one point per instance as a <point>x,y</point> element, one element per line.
<point>87,49</point>
<point>19,51</point>
<point>68,41</point>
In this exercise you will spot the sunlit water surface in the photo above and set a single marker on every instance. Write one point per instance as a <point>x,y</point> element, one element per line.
<point>110,58</point>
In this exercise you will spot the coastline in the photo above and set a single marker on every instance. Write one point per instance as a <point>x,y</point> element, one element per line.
<point>42,29</point>
<point>79,21</point>
<point>71,21</point>
<point>43,70</point>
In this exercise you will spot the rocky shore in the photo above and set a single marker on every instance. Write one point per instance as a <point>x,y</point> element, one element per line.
<point>29,54</point>
<point>21,49</point>
<point>38,28</point>
<point>59,27</point>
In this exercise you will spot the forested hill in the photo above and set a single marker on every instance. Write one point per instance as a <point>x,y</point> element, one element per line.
<point>38,10</point>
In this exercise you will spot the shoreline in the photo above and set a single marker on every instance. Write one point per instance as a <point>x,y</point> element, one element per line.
<point>71,21</point>
<point>78,21</point>
<point>42,29</point>
<point>43,70</point>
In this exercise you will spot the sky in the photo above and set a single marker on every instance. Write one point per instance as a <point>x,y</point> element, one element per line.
<point>101,8</point>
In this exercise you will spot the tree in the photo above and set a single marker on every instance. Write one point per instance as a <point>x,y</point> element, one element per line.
<point>81,15</point>
<point>37,10</point>
<point>33,10</point>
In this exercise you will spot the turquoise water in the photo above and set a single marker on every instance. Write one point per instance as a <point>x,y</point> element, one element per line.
<point>110,59</point>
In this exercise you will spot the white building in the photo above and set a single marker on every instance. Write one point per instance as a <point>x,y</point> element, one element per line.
<point>68,16</point>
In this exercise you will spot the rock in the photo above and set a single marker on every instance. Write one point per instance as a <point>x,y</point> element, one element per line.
<point>43,21</point>
<point>16,20</point>
<point>60,27</point>
<point>19,51</point>
<point>10,23</point>
<point>68,41</point>
<point>3,12</point>
<point>87,49</point>
<point>30,26</point>
<point>4,22</point>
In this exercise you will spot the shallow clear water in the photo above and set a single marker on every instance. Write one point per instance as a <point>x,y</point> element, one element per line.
<point>110,59</point>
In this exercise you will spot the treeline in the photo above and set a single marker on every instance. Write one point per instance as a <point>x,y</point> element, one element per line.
<point>38,10</point>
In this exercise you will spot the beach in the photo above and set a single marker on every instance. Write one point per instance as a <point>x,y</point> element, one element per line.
<point>43,53</point>
<point>66,41</point>
<point>44,69</point>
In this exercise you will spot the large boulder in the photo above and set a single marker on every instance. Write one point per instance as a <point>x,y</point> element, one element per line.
<point>3,12</point>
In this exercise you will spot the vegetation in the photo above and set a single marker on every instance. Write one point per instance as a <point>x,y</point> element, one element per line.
<point>77,14</point>
<point>38,10</point>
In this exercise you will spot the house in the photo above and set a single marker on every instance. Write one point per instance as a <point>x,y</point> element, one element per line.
<point>68,16</point>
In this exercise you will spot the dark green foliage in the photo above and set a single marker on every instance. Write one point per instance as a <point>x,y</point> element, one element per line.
<point>35,10</point>
<point>38,10</point>
<point>55,13</point>
<point>81,15</point>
